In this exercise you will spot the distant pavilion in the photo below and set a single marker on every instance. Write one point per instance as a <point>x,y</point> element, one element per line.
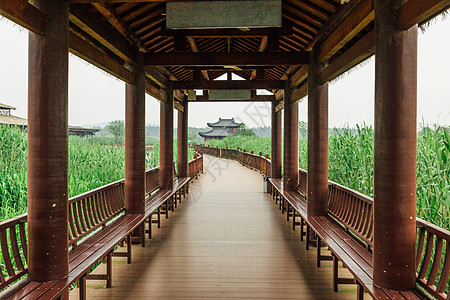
<point>221,129</point>
<point>7,118</point>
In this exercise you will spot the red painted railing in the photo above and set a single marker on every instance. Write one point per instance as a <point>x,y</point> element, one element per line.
<point>355,211</point>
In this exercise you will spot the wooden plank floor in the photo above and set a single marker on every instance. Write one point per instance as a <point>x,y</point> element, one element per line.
<point>226,240</point>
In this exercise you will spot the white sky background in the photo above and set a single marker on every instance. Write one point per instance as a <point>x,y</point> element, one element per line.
<point>96,97</point>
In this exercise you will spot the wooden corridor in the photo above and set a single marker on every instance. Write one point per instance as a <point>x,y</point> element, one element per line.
<point>226,240</point>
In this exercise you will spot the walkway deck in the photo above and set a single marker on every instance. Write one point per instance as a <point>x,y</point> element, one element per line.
<point>226,240</point>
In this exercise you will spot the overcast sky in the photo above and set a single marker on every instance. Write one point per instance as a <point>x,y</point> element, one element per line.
<point>96,97</point>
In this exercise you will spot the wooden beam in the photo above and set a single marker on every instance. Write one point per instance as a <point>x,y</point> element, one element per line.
<point>229,32</point>
<point>279,106</point>
<point>362,50</point>
<point>117,23</point>
<point>415,12</point>
<point>179,95</point>
<point>261,48</point>
<point>341,13</point>
<point>157,77</point>
<point>159,94</point>
<point>279,95</point>
<point>194,48</point>
<point>178,106</point>
<point>227,59</point>
<point>299,76</point>
<point>24,14</point>
<point>81,16</point>
<point>93,55</point>
<point>228,84</point>
<point>117,1</point>
<point>299,93</point>
<point>357,20</point>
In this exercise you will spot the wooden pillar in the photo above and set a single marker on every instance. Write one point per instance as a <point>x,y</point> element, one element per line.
<point>182,141</point>
<point>395,150</point>
<point>317,141</point>
<point>48,145</point>
<point>135,141</point>
<point>276,142</point>
<point>290,149</point>
<point>166,141</point>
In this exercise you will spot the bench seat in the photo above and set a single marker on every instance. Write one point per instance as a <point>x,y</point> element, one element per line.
<point>349,248</point>
<point>81,259</point>
<point>155,201</point>
<point>354,257</point>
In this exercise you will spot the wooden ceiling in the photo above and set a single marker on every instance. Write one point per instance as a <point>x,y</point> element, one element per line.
<point>142,23</point>
<point>113,35</point>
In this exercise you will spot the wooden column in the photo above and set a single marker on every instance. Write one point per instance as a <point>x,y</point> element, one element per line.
<point>135,141</point>
<point>166,141</point>
<point>395,150</point>
<point>317,141</point>
<point>182,140</point>
<point>290,149</point>
<point>48,145</point>
<point>276,142</point>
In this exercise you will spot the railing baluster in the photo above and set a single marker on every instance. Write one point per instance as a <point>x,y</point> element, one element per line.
<point>81,215</point>
<point>5,253</point>
<point>427,257</point>
<point>71,223</point>
<point>15,247</point>
<point>443,281</point>
<point>436,262</point>
<point>23,240</point>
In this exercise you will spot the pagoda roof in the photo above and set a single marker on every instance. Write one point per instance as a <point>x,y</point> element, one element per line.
<point>217,132</point>
<point>229,123</point>
<point>4,106</point>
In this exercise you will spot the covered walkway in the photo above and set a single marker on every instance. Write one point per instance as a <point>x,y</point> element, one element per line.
<point>226,240</point>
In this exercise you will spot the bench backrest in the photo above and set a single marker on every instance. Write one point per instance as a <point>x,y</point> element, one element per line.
<point>93,209</point>
<point>353,210</point>
<point>14,253</point>
<point>433,259</point>
<point>87,213</point>
<point>151,180</point>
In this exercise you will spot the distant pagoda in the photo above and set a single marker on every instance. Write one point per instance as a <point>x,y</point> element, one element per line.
<point>221,129</point>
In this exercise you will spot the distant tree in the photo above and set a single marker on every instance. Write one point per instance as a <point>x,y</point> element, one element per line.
<point>303,129</point>
<point>244,131</point>
<point>117,128</point>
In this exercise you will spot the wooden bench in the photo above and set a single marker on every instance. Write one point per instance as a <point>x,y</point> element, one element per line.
<point>97,224</point>
<point>160,201</point>
<point>294,204</point>
<point>347,231</point>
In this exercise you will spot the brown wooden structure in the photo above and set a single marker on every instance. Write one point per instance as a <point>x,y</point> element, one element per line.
<point>313,42</point>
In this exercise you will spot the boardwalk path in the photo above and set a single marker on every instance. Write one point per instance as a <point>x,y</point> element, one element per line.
<point>226,240</point>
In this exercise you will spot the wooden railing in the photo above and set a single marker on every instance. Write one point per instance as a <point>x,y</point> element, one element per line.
<point>93,209</point>
<point>195,167</point>
<point>354,211</point>
<point>433,259</point>
<point>87,213</point>
<point>14,254</point>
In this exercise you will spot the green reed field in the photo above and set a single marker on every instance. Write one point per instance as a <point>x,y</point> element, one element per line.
<point>92,163</point>
<point>351,164</point>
